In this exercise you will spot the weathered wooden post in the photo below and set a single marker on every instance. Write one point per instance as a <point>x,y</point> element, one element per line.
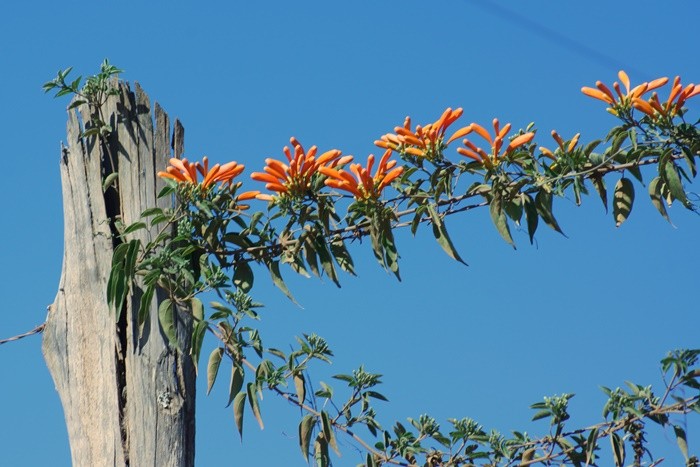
<point>127,399</point>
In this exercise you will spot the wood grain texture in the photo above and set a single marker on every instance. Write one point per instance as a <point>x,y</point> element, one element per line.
<point>128,398</point>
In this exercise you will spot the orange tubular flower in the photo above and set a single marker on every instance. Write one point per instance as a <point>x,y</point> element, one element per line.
<point>562,147</point>
<point>244,197</point>
<point>428,141</point>
<point>219,173</point>
<point>295,180</point>
<point>363,186</point>
<point>673,105</point>
<point>492,159</point>
<point>182,171</point>
<point>621,101</point>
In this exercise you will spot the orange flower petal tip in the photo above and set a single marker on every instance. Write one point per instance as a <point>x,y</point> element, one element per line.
<point>248,195</point>
<point>597,94</point>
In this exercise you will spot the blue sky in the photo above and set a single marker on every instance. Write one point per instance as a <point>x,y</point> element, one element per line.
<point>485,341</point>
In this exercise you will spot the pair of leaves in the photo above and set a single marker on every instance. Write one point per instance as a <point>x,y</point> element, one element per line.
<point>325,438</point>
<point>239,407</point>
<point>236,395</point>
<point>534,209</point>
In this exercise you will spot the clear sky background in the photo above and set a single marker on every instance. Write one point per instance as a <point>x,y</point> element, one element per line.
<point>485,341</point>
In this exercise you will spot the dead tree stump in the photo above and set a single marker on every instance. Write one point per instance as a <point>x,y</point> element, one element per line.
<point>127,399</point>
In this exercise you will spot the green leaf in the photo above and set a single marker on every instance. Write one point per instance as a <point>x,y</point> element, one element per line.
<point>623,199</point>
<point>321,456</point>
<point>166,316</point>
<point>328,433</point>
<point>306,428</point>
<point>117,289</point>
<point>151,212</point>
<point>390,252</point>
<point>325,256</point>
<point>342,256</point>
<point>76,103</point>
<point>591,445</point>
<point>541,414</point>
<point>377,248</point>
<point>197,309</point>
<point>310,256</point>
<point>238,409</point>
<point>599,185</point>
<point>514,209</point>
<point>577,190</point>
<point>618,448</point>
<point>673,181</point>
<point>498,216</point>
<point>91,132</point>
<point>376,395</point>
<point>167,190</point>
<point>76,83</point>
<point>243,276</point>
<point>145,305</point>
<point>588,149</point>
<point>236,383</point>
<point>531,216</point>
<point>274,267</point>
<point>417,218</point>
<point>441,235</point>
<point>636,173</point>
<point>131,257</point>
<point>253,401</point>
<point>681,440</point>
<point>543,205</point>
<point>198,333</point>
<point>617,144</point>
<point>657,198</point>
<point>222,311</point>
<point>109,180</point>
<point>119,253</point>
<point>690,161</point>
<point>63,92</point>
<point>213,367</point>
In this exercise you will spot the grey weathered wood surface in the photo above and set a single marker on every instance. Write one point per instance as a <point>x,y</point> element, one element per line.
<point>127,399</point>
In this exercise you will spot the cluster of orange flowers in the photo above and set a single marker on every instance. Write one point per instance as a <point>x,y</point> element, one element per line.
<point>364,186</point>
<point>493,158</point>
<point>429,141</point>
<point>296,177</point>
<point>185,171</point>
<point>633,96</point>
